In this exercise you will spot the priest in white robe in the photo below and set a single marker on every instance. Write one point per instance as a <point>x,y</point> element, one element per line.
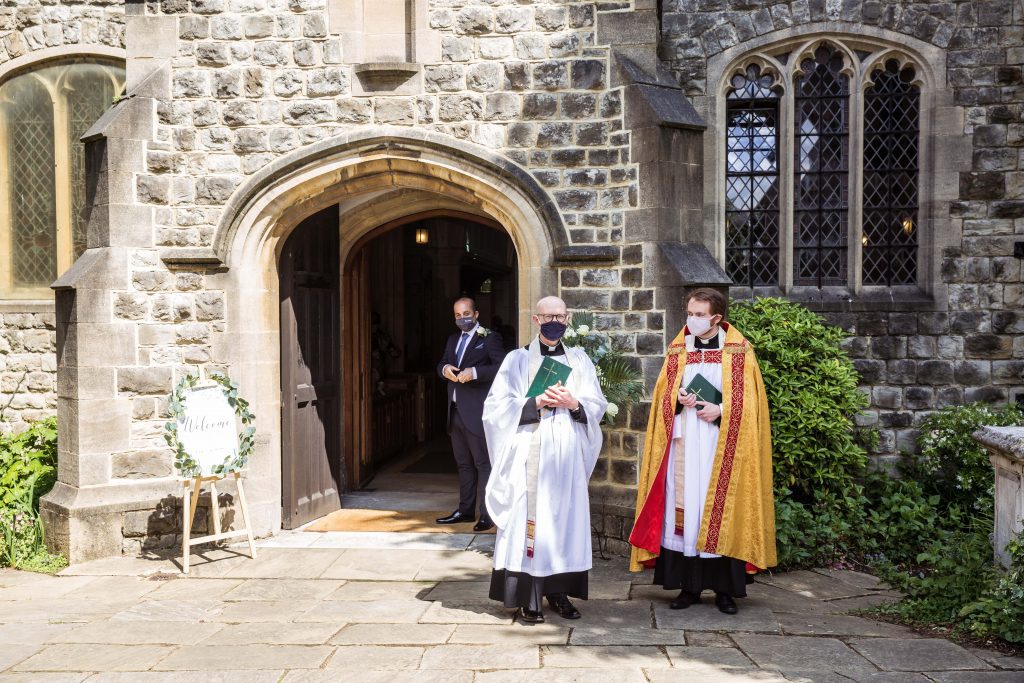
<point>543,451</point>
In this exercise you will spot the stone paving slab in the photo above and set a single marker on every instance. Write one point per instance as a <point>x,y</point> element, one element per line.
<point>801,653</point>
<point>480,657</point>
<point>467,613</point>
<point>888,677</point>
<point>839,625</point>
<point>750,675</point>
<point>208,676</point>
<point>375,565</point>
<point>615,657</point>
<point>916,654</point>
<point>519,634</point>
<point>283,589</point>
<point>300,563</point>
<point>376,657</point>
<point>998,659</point>
<point>124,587</point>
<point>138,633</point>
<point>40,677</point>
<point>398,540</point>
<point>29,634</point>
<point>393,634</point>
<point>91,657</point>
<point>708,639</point>
<point>353,611</point>
<point>598,634</point>
<point>272,633</point>
<point>348,676</point>
<point>169,610</point>
<point>854,578</point>
<point>625,613</point>
<point>14,653</point>
<point>698,659</point>
<point>66,610</point>
<point>549,675</point>
<point>263,610</point>
<point>361,591</point>
<point>812,585</point>
<point>50,586</point>
<point>844,605</point>
<point>706,617</point>
<point>247,657</point>
<point>194,589</point>
<point>975,677</point>
<point>460,591</point>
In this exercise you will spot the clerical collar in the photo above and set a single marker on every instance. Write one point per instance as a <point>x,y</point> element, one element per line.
<point>545,350</point>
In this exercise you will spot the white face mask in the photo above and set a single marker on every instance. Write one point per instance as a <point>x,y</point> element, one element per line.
<point>697,326</point>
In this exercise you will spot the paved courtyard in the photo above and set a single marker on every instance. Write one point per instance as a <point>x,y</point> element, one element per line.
<point>413,607</point>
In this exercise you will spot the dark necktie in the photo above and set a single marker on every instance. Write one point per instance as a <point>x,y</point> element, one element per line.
<point>461,347</point>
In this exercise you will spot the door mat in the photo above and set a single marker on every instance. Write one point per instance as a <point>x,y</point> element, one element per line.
<point>416,521</point>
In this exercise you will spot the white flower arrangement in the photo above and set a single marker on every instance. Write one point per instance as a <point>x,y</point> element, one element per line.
<point>611,411</point>
<point>482,331</point>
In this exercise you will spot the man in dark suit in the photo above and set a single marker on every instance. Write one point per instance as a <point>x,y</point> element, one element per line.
<point>470,362</point>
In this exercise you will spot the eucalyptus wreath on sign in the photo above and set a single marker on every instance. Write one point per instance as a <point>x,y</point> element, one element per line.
<point>620,381</point>
<point>183,462</point>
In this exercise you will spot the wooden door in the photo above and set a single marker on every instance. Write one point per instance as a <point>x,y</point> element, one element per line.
<point>311,460</point>
<point>358,427</point>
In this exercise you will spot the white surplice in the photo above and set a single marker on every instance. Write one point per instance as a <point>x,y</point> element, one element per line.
<point>696,442</point>
<point>568,451</point>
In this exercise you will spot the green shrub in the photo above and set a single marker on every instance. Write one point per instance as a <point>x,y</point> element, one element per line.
<point>950,463</point>
<point>813,398</point>
<point>900,519</point>
<point>28,470</point>
<point>999,610</point>
<point>28,462</point>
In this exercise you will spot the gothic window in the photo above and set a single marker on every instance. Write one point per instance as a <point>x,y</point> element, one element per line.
<point>822,165</point>
<point>43,113</point>
<point>891,112</point>
<point>752,179</point>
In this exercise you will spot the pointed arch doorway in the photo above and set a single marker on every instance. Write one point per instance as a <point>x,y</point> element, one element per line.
<point>400,281</point>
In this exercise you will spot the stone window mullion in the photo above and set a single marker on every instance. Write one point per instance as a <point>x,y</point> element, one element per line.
<point>855,257</point>
<point>6,190</point>
<point>62,171</point>
<point>787,153</point>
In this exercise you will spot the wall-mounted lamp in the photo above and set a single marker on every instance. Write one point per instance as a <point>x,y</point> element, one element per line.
<point>422,236</point>
<point>908,226</point>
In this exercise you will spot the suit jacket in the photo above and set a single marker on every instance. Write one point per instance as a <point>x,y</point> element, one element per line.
<point>484,354</point>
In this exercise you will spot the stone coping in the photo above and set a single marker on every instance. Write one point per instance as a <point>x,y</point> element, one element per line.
<point>1008,441</point>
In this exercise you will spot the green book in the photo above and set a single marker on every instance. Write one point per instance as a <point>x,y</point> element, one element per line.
<point>704,390</point>
<point>550,373</point>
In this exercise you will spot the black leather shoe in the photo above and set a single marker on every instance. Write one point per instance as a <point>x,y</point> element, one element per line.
<point>726,605</point>
<point>483,525</point>
<point>530,617</point>
<point>684,600</point>
<point>565,609</point>
<point>456,518</point>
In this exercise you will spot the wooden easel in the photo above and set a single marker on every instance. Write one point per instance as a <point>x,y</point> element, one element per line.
<point>188,511</point>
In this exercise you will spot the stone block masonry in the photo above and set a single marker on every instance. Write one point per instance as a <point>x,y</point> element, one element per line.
<point>28,387</point>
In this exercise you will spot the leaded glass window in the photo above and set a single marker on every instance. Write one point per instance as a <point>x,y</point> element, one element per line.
<point>43,113</point>
<point>822,164</point>
<point>889,238</point>
<point>752,179</point>
<point>820,188</point>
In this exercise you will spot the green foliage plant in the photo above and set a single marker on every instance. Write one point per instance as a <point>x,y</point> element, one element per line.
<point>813,399</point>
<point>621,383</point>
<point>28,462</point>
<point>28,470</point>
<point>950,463</point>
<point>999,610</point>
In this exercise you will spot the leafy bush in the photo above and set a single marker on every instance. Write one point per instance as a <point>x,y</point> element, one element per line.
<point>28,462</point>
<point>950,463</point>
<point>28,470</point>
<point>999,611</point>
<point>900,519</point>
<point>817,459</point>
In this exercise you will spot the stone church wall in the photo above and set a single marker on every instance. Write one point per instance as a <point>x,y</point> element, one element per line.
<point>968,345</point>
<point>28,383</point>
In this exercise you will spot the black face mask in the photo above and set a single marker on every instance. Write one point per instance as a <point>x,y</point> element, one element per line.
<point>465,324</point>
<point>553,330</point>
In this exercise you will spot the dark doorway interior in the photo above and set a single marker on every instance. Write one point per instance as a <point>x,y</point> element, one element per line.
<point>414,273</point>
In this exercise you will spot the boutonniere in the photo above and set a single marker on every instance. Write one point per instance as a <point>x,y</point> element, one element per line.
<point>482,331</point>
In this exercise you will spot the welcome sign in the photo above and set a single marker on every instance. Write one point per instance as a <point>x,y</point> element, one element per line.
<point>203,431</point>
<point>207,428</point>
